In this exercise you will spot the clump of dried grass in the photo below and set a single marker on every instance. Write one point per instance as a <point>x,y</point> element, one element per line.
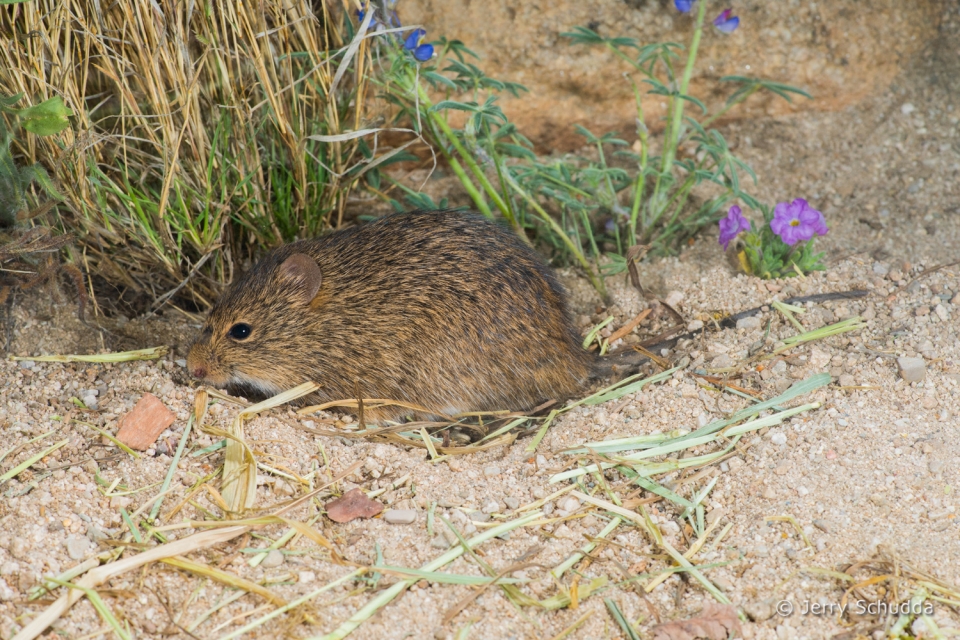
<point>189,146</point>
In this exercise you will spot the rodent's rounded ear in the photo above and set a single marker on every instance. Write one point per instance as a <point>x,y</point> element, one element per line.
<point>302,271</point>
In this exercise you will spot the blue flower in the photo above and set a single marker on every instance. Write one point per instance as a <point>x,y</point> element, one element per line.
<point>726,22</point>
<point>684,6</point>
<point>413,44</point>
<point>413,39</point>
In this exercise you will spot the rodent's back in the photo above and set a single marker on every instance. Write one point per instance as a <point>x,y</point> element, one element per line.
<point>440,309</point>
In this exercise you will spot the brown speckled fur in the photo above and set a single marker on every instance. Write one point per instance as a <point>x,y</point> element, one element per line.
<point>440,309</point>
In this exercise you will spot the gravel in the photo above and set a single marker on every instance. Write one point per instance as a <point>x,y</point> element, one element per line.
<point>874,467</point>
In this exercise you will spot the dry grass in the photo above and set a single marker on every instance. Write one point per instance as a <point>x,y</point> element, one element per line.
<point>190,144</point>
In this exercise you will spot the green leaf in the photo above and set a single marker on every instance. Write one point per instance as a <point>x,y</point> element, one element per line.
<point>749,84</point>
<point>583,35</point>
<point>47,118</point>
<point>472,107</point>
<point>515,151</point>
<point>695,101</point>
<point>11,100</point>
<point>436,80</point>
<point>38,173</point>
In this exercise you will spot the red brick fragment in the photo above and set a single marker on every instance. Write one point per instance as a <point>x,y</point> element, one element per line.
<point>140,428</point>
<point>352,505</point>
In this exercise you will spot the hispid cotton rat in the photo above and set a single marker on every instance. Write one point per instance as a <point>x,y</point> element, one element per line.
<point>440,309</point>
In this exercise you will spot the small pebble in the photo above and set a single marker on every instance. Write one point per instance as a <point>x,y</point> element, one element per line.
<point>823,525</point>
<point>570,504</point>
<point>490,506</point>
<point>760,611</point>
<point>400,516</point>
<point>750,322</point>
<point>723,361</point>
<point>912,369</point>
<point>77,547</point>
<point>674,298</point>
<point>95,533</point>
<point>512,503</point>
<point>778,438</point>
<point>491,471</point>
<point>480,516</point>
<point>306,576</point>
<point>273,560</point>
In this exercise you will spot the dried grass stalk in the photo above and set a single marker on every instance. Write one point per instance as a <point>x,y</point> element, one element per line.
<point>193,121</point>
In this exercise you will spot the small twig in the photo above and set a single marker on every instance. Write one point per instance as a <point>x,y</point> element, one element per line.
<point>169,294</point>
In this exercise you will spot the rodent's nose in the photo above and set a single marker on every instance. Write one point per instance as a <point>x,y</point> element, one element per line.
<point>199,371</point>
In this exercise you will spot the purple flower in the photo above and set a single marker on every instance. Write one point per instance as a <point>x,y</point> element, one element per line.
<point>421,52</point>
<point>732,225</point>
<point>726,22</point>
<point>797,221</point>
<point>683,6</point>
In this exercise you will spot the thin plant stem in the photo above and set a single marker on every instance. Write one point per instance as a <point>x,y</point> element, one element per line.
<point>642,167</point>
<point>595,280</point>
<point>478,173</point>
<point>675,123</point>
<point>467,183</point>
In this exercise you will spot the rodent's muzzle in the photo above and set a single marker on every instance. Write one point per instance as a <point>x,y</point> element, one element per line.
<point>202,365</point>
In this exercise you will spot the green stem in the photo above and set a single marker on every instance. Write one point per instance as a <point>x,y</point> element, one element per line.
<point>641,174</point>
<point>625,57</point>
<point>719,114</point>
<point>468,185</point>
<point>566,186</point>
<point>467,157</point>
<point>675,123</point>
<point>595,280</point>
<point>498,163</point>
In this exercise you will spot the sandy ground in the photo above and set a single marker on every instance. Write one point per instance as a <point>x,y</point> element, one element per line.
<point>872,471</point>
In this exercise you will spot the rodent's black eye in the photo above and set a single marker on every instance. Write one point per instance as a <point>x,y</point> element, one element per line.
<point>240,331</point>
